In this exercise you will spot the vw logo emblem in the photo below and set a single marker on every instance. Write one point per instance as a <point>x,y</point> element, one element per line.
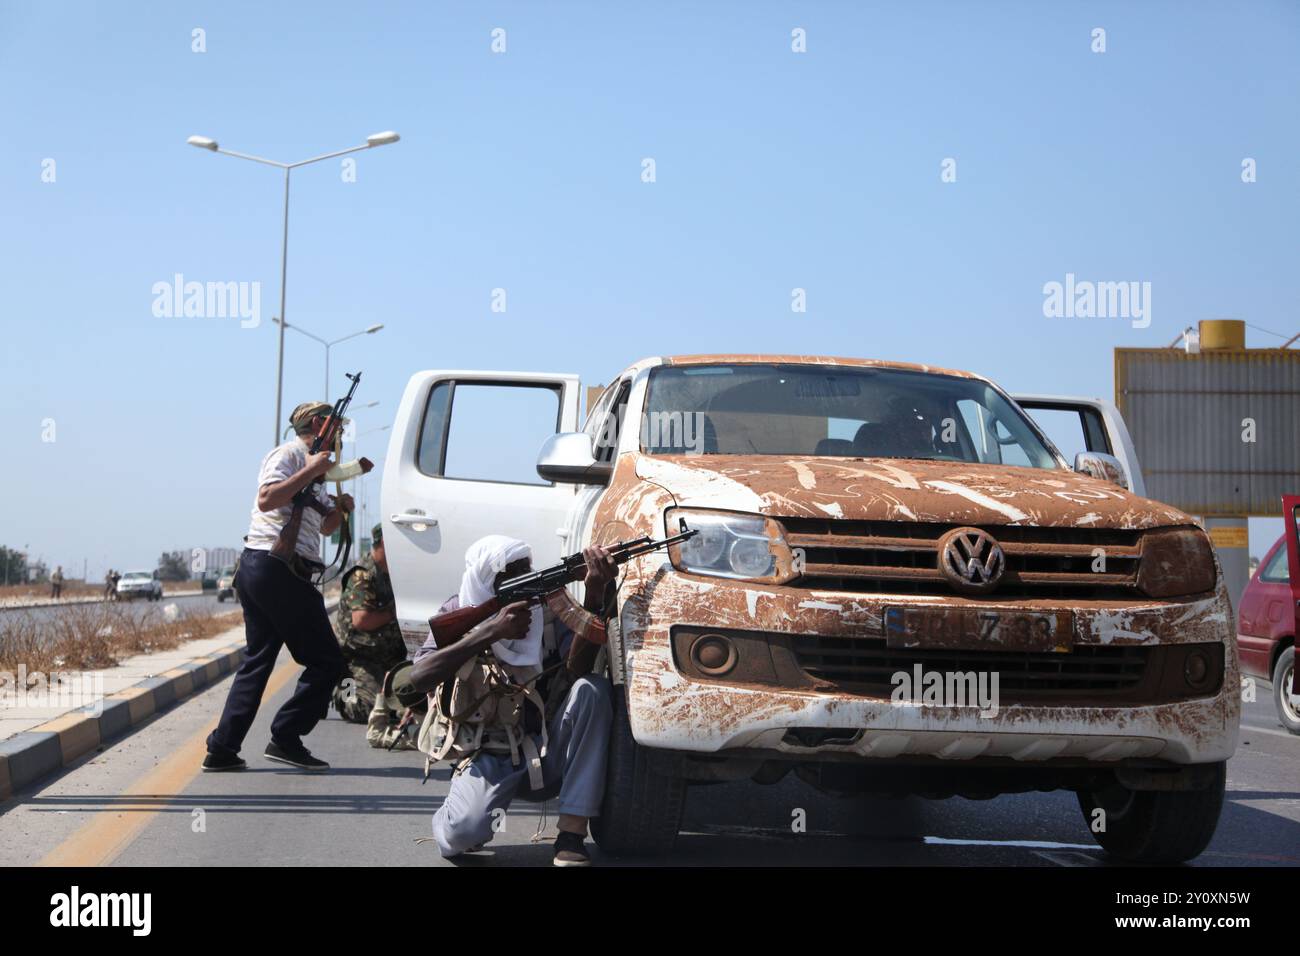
<point>971,560</point>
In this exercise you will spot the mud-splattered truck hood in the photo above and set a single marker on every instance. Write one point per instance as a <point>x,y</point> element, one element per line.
<point>880,489</point>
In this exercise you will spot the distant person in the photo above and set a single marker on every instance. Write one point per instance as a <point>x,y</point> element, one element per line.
<point>282,606</point>
<point>56,583</point>
<point>371,642</point>
<point>110,585</point>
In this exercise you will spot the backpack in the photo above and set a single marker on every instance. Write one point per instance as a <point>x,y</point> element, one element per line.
<point>481,709</point>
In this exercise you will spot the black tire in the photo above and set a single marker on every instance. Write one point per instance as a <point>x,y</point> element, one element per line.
<point>642,811</point>
<point>1157,826</point>
<point>1286,711</point>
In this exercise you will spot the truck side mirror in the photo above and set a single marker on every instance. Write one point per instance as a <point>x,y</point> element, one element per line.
<point>569,458</point>
<point>1104,467</point>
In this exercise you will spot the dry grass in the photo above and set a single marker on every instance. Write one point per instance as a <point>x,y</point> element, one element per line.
<point>33,591</point>
<point>81,589</point>
<point>98,636</point>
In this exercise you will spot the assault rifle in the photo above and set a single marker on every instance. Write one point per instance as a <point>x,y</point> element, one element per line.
<point>535,586</point>
<point>286,544</point>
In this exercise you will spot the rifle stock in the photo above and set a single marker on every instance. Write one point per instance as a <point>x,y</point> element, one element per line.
<point>286,542</point>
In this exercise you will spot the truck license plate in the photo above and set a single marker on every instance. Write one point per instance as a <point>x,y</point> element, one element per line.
<point>970,628</point>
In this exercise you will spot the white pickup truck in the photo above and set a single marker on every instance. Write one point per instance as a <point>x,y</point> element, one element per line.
<point>861,523</point>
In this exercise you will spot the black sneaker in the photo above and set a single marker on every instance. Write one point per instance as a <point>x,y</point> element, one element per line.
<point>569,850</point>
<point>215,763</point>
<point>299,757</point>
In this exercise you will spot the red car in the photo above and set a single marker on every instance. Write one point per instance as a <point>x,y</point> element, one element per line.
<point>1266,626</point>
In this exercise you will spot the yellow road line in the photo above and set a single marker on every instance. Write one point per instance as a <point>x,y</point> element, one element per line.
<point>99,841</point>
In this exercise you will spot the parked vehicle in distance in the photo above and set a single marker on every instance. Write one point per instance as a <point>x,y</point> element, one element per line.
<point>226,585</point>
<point>864,527</point>
<point>1266,632</point>
<point>134,584</point>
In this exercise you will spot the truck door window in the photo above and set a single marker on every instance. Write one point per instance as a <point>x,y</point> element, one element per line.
<point>1072,429</point>
<point>487,431</point>
<point>433,433</point>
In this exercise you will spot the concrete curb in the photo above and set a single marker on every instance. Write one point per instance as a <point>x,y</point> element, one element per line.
<point>27,757</point>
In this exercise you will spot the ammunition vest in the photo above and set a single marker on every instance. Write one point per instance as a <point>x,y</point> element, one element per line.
<point>481,709</point>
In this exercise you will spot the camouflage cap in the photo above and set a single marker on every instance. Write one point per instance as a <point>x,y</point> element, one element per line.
<point>377,535</point>
<point>305,412</point>
<point>397,690</point>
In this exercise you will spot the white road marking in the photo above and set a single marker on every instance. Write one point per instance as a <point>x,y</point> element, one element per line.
<point>1067,859</point>
<point>1269,730</point>
<point>1028,844</point>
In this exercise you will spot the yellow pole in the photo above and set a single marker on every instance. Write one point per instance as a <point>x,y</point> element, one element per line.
<point>1230,536</point>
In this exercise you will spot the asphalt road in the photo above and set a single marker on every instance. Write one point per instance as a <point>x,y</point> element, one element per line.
<point>142,802</point>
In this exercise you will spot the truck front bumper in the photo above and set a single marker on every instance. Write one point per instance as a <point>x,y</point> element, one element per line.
<point>673,708</point>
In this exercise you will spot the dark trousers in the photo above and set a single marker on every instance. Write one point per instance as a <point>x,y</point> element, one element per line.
<point>280,609</point>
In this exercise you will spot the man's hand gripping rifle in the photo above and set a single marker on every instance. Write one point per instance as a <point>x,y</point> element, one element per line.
<point>286,544</point>
<point>536,586</point>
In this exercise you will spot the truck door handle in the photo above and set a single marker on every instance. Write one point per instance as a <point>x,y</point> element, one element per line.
<point>416,522</point>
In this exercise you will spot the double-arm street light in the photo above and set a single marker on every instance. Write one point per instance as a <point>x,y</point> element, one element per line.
<point>204,142</point>
<point>328,345</point>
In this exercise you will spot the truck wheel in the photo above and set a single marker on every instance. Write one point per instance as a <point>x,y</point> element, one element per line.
<point>1156,826</point>
<point>1288,707</point>
<point>643,808</point>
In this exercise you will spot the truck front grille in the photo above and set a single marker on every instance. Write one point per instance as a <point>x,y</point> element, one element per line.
<point>866,666</point>
<point>901,557</point>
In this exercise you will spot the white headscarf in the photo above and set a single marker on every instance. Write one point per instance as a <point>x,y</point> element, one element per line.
<point>484,560</point>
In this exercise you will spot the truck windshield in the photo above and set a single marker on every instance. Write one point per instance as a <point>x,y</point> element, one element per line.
<point>835,411</point>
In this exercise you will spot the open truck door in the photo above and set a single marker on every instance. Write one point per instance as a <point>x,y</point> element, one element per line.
<point>462,463</point>
<point>1291,527</point>
<point>1088,425</point>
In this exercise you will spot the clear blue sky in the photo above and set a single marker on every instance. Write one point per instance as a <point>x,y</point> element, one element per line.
<point>522,170</point>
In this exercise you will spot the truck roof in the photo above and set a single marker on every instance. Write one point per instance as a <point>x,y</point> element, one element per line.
<point>730,358</point>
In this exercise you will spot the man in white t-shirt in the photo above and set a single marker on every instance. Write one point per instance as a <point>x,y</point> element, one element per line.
<point>282,607</point>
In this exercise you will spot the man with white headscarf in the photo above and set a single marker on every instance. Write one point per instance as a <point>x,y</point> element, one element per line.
<point>529,644</point>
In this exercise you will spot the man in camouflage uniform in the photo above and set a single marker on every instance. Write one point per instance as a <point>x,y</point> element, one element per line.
<point>369,637</point>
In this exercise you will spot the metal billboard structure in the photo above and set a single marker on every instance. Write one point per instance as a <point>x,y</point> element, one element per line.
<point>1217,431</point>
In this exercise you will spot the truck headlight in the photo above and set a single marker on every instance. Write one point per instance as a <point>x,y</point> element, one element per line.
<point>1176,562</point>
<point>730,545</point>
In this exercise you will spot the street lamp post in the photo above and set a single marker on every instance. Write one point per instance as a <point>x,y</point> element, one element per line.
<point>354,431</point>
<point>205,142</point>
<point>298,328</point>
<point>361,488</point>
